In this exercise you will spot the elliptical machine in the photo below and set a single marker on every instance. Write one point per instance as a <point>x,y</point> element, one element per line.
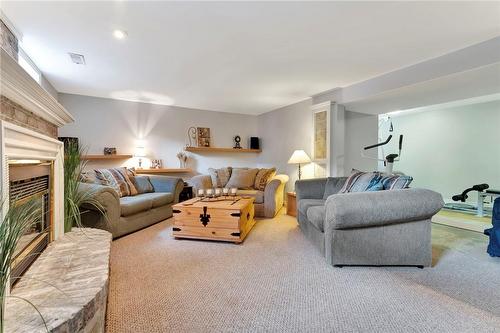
<point>389,159</point>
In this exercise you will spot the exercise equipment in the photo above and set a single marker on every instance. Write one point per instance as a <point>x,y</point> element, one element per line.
<point>389,159</point>
<point>494,233</point>
<point>483,192</point>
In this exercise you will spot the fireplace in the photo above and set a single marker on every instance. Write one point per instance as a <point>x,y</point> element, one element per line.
<point>31,180</point>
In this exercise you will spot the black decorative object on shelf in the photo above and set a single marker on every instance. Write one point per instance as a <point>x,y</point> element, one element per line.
<point>237,140</point>
<point>68,140</point>
<point>254,142</point>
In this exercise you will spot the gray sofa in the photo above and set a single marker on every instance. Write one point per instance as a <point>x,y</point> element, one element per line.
<point>128,214</point>
<point>267,203</point>
<point>391,227</point>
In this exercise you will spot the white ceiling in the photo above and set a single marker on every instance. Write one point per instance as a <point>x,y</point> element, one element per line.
<point>245,57</point>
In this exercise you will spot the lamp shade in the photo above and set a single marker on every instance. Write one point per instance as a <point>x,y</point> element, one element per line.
<point>140,152</point>
<point>299,157</point>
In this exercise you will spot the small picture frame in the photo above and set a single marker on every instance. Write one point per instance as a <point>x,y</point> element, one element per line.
<point>203,134</point>
<point>109,151</point>
<point>156,164</point>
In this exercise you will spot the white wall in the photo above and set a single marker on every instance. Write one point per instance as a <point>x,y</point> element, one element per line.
<point>289,128</point>
<point>450,149</point>
<point>104,122</point>
<point>283,131</point>
<point>361,131</point>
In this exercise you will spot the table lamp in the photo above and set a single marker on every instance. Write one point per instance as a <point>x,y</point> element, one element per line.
<point>299,157</point>
<point>140,152</point>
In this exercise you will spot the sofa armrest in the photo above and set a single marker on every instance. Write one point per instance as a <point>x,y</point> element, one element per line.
<point>310,188</point>
<point>274,195</point>
<point>106,196</point>
<point>200,182</point>
<point>366,209</point>
<point>167,184</point>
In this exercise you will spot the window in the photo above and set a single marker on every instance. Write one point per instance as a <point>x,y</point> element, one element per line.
<point>29,66</point>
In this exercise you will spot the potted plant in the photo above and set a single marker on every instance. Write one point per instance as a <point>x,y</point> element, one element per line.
<point>74,196</point>
<point>17,219</point>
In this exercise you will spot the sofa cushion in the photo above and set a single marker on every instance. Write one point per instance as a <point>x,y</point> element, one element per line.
<point>243,179</point>
<point>118,179</point>
<point>143,202</point>
<point>262,177</point>
<point>360,181</point>
<point>142,184</point>
<point>136,204</point>
<point>220,177</point>
<point>258,195</point>
<point>333,185</point>
<point>316,215</point>
<point>304,204</point>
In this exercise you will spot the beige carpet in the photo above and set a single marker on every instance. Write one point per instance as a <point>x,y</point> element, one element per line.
<point>276,281</point>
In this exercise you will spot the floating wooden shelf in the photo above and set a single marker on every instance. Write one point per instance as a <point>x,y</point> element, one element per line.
<point>106,157</point>
<point>171,170</point>
<point>221,150</point>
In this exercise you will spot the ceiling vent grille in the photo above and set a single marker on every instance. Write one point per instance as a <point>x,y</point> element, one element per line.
<point>77,58</point>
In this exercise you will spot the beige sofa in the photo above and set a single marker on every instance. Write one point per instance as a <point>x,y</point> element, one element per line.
<point>131,213</point>
<point>267,203</point>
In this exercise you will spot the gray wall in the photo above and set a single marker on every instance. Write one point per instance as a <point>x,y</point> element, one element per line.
<point>289,128</point>
<point>450,149</point>
<point>104,122</point>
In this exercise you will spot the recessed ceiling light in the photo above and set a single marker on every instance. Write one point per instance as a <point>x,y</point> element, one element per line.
<point>119,34</point>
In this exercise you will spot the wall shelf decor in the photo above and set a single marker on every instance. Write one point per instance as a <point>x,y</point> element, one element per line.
<point>106,157</point>
<point>221,150</point>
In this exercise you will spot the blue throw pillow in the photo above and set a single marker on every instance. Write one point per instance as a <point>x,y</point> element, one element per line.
<point>360,181</point>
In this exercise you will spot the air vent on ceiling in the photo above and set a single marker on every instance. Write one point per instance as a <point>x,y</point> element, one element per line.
<point>77,58</point>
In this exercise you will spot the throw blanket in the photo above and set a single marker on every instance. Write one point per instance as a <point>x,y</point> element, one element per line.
<point>494,233</point>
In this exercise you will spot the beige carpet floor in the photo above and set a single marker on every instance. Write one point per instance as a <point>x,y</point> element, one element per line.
<point>276,281</point>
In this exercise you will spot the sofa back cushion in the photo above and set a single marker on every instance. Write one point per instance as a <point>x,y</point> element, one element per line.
<point>142,184</point>
<point>360,181</point>
<point>333,185</point>
<point>220,177</point>
<point>118,179</point>
<point>242,178</point>
<point>262,178</point>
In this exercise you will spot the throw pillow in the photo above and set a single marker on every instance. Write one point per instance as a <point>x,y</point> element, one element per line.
<point>243,179</point>
<point>142,184</point>
<point>262,178</point>
<point>360,181</point>
<point>91,178</point>
<point>118,179</point>
<point>395,182</point>
<point>220,177</point>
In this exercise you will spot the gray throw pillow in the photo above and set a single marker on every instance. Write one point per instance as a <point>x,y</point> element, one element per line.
<point>220,177</point>
<point>243,179</point>
<point>142,184</point>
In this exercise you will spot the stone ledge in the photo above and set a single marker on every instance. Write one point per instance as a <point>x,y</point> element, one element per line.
<point>77,265</point>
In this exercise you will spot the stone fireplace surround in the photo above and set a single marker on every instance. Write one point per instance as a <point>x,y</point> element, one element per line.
<point>76,264</point>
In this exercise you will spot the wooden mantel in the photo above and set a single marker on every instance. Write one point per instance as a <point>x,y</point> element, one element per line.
<point>221,150</point>
<point>18,86</point>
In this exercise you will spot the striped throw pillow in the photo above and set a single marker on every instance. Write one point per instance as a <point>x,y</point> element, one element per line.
<point>395,182</point>
<point>118,179</point>
<point>360,181</point>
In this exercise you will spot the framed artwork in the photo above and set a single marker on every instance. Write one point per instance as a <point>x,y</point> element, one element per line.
<point>321,138</point>
<point>203,134</point>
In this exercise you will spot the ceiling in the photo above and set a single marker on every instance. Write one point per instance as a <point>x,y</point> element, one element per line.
<point>243,57</point>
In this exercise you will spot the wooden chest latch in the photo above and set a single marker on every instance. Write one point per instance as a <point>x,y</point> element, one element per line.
<point>204,218</point>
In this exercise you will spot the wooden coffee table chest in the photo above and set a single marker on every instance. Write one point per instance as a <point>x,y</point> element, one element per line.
<point>225,220</point>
